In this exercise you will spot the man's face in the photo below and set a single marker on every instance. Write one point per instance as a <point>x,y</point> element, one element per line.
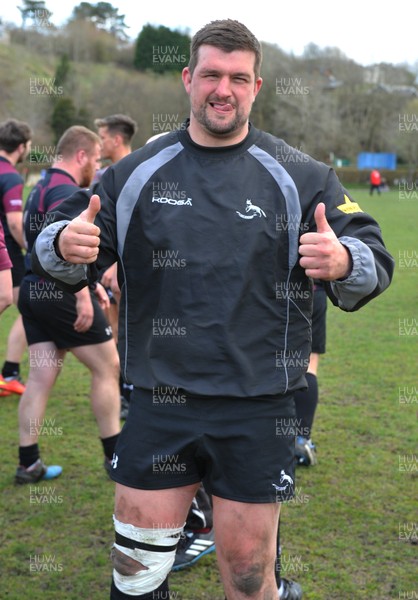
<point>222,91</point>
<point>108,142</point>
<point>91,164</point>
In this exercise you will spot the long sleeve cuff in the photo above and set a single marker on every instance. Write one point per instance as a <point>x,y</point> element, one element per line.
<point>363,277</point>
<point>51,263</point>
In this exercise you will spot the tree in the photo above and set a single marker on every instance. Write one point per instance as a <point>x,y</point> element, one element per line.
<point>65,109</point>
<point>103,15</point>
<point>160,49</point>
<point>407,138</point>
<point>86,43</point>
<point>32,8</point>
<point>63,116</point>
<point>62,71</point>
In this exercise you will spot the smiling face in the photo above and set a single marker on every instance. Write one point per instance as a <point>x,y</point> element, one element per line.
<point>222,90</point>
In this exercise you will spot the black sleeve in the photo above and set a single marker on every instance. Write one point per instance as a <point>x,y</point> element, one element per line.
<point>105,220</point>
<point>348,220</point>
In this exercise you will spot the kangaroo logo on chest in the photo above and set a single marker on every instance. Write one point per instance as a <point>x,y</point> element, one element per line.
<point>255,211</point>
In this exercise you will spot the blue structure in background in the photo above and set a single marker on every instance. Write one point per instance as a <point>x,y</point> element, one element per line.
<point>376,160</point>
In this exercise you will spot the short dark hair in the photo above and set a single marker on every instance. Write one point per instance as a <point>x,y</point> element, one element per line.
<point>227,35</point>
<point>122,124</point>
<point>77,138</point>
<point>13,133</point>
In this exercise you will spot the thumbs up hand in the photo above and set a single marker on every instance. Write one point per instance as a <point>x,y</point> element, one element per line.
<point>79,241</point>
<point>92,210</point>
<point>323,256</point>
<point>322,225</point>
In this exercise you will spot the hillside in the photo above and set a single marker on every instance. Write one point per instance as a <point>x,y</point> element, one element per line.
<point>28,89</point>
<point>323,103</point>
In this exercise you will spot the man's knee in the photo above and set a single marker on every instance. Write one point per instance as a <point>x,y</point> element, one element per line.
<point>142,558</point>
<point>248,578</point>
<point>110,368</point>
<point>248,566</point>
<point>124,564</point>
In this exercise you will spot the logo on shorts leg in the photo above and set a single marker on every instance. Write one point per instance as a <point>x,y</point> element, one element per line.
<point>286,482</point>
<point>114,461</point>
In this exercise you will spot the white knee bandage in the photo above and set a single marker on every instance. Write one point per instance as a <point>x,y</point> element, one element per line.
<point>155,549</point>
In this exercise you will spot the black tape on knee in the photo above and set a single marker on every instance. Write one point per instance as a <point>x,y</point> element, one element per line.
<point>124,564</point>
<point>121,540</point>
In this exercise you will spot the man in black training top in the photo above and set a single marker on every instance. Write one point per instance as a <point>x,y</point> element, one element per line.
<point>241,220</point>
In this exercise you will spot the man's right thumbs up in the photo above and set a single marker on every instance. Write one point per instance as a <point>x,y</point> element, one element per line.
<point>91,211</point>
<point>79,241</point>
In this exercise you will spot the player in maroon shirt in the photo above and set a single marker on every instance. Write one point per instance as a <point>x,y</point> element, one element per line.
<point>15,143</point>
<point>58,322</point>
<point>6,288</point>
<point>6,295</point>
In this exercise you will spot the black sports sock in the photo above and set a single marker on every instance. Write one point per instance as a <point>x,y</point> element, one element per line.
<point>28,455</point>
<point>10,369</point>
<point>109,445</point>
<point>162,593</point>
<point>306,402</point>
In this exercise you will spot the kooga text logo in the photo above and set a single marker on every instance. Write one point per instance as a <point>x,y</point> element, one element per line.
<point>173,201</point>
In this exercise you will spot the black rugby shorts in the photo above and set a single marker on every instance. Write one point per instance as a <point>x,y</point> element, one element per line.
<point>49,314</point>
<point>242,449</point>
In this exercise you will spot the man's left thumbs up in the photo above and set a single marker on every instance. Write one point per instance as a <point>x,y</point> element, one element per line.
<point>323,256</point>
<point>322,225</point>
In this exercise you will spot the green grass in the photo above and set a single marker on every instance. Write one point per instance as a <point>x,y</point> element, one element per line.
<point>344,534</point>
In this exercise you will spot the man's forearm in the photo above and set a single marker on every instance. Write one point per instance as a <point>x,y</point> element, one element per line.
<point>362,279</point>
<point>46,262</point>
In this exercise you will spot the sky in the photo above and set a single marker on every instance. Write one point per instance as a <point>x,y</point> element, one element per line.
<point>367,31</point>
